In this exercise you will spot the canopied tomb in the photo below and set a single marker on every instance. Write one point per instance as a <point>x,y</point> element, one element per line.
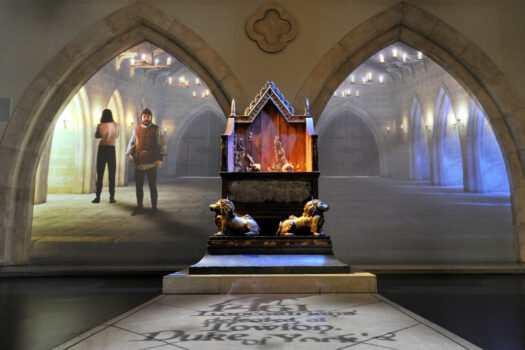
<point>269,219</point>
<point>269,164</point>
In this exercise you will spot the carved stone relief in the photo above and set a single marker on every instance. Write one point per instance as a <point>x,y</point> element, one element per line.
<point>272,27</point>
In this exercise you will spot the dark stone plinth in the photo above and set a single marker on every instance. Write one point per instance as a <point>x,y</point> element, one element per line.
<point>268,264</point>
<point>269,245</point>
<point>269,255</point>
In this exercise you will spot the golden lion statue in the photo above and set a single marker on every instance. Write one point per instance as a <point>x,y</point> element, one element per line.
<point>229,223</point>
<point>311,223</point>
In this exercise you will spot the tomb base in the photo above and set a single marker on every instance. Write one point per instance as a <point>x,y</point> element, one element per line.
<point>269,264</point>
<point>184,283</point>
<point>269,255</point>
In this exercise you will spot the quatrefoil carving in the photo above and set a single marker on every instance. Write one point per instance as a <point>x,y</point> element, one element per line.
<point>271,27</point>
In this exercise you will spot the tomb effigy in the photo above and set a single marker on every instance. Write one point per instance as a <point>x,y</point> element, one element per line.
<point>269,217</point>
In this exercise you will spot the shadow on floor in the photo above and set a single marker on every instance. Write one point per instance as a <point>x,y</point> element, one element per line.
<point>39,313</point>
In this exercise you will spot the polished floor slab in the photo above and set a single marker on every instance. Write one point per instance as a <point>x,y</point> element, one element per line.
<point>278,321</point>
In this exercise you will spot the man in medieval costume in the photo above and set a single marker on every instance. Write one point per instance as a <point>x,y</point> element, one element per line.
<point>146,149</point>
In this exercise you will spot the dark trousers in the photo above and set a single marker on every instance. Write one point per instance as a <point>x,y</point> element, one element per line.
<point>106,155</point>
<point>152,182</point>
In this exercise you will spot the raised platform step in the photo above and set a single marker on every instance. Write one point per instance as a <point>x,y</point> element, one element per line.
<point>268,264</point>
<point>184,283</point>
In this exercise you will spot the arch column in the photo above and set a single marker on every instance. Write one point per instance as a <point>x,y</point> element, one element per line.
<point>61,78</point>
<point>419,159</point>
<point>473,179</point>
<point>459,57</point>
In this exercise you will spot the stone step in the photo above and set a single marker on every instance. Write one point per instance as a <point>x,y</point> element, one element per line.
<point>184,283</point>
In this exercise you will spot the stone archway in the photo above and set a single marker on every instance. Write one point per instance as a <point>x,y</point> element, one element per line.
<point>57,83</point>
<point>349,146</point>
<point>485,163</point>
<point>446,150</point>
<point>461,58</point>
<point>418,144</point>
<point>366,118</point>
<point>196,144</point>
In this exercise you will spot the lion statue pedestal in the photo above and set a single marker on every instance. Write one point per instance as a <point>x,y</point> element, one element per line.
<point>229,223</point>
<point>310,223</point>
<point>299,246</point>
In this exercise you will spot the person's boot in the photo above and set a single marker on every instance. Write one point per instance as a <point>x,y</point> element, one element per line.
<point>154,210</point>
<point>96,200</point>
<point>112,199</point>
<point>137,211</point>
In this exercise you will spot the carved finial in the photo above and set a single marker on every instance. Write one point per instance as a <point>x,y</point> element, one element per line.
<point>233,113</point>
<point>307,109</point>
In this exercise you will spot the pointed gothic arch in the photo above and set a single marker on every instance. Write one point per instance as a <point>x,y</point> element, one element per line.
<point>327,119</point>
<point>473,177</point>
<point>446,150</point>
<point>197,143</point>
<point>69,166</point>
<point>418,143</point>
<point>49,93</point>
<point>486,167</point>
<point>461,58</point>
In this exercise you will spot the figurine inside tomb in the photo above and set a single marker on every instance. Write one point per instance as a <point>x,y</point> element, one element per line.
<point>280,162</point>
<point>239,151</point>
<point>243,160</point>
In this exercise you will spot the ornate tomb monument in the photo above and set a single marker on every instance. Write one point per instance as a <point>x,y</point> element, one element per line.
<point>270,219</point>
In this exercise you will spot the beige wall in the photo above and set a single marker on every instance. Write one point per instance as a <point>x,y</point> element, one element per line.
<point>33,31</point>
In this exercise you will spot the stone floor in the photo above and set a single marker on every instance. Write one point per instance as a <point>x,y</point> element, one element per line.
<point>371,221</point>
<point>39,313</point>
<point>333,321</point>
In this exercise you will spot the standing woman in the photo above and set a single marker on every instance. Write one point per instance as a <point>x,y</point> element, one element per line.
<point>107,132</point>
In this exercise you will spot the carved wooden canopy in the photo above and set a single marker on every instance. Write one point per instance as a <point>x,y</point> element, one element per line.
<point>269,135</point>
